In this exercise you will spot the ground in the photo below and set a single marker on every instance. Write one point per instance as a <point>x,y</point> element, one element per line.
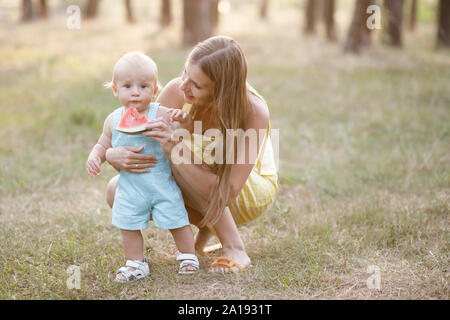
<point>363,154</point>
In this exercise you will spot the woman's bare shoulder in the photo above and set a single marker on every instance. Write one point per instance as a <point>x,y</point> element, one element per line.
<point>259,115</point>
<point>171,96</point>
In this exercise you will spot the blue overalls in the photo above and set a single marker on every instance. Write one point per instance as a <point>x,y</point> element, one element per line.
<point>154,193</point>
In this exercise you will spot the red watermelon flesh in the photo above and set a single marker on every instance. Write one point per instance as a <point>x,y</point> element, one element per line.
<point>131,122</point>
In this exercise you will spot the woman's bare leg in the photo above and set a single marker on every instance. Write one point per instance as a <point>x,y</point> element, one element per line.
<point>232,245</point>
<point>204,234</point>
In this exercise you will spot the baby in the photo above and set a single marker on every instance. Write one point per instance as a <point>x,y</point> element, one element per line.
<point>141,195</point>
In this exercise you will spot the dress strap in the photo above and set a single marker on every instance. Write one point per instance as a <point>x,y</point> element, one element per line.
<point>263,148</point>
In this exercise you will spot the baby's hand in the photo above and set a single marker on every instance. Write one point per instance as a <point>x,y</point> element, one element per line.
<point>93,166</point>
<point>184,118</point>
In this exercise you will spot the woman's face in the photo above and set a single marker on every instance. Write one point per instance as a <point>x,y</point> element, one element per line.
<point>196,86</point>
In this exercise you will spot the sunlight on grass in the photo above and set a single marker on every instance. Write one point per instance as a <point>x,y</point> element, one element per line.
<point>364,162</point>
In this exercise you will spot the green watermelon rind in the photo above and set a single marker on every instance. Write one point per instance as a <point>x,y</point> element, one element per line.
<point>138,129</point>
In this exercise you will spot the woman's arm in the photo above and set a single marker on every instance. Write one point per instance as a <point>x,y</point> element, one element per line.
<point>196,181</point>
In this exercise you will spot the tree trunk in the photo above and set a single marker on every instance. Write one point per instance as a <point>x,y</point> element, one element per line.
<point>214,7</point>
<point>328,16</point>
<point>395,17</point>
<point>413,15</point>
<point>43,9</point>
<point>196,21</point>
<point>27,11</point>
<point>263,9</point>
<point>129,11</point>
<point>91,9</point>
<point>166,13</point>
<point>358,34</point>
<point>310,15</point>
<point>443,38</point>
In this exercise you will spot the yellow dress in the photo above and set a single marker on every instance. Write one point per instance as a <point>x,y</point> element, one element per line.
<point>261,187</point>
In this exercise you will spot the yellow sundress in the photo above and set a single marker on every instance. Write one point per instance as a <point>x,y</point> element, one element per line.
<point>261,187</point>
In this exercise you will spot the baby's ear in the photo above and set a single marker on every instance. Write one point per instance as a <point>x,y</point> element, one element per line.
<point>114,89</point>
<point>156,90</point>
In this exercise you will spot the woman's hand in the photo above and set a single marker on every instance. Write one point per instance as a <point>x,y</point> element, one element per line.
<point>161,130</point>
<point>129,159</point>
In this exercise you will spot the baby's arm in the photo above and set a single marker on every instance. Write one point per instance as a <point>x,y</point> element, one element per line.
<point>97,155</point>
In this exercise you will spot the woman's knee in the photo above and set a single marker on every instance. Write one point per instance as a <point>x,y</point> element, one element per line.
<point>111,190</point>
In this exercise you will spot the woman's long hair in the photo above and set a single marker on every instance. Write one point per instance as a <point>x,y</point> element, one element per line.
<point>223,61</point>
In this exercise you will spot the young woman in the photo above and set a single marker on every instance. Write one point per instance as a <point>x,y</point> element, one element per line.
<point>218,196</point>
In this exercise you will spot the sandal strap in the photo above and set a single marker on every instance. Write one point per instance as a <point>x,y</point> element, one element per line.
<point>136,264</point>
<point>188,259</point>
<point>187,256</point>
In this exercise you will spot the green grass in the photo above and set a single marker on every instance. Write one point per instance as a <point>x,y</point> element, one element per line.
<point>364,164</point>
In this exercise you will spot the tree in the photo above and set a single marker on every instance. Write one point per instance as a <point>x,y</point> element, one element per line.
<point>310,15</point>
<point>359,34</point>
<point>196,21</point>
<point>43,9</point>
<point>413,15</point>
<point>263,9</point>
<point>166,13</point>
<point>328,17</point>
<point>214,12</point>
<point>91,9</point>
<point>27,11</point>
<point>443,34</point>
<point>129,11</point>
<point>395,19</point>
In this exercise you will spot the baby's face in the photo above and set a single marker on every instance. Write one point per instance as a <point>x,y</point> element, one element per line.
<point>135,87</point>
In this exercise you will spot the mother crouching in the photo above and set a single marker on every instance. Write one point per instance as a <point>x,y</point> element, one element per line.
<point>219,195</point>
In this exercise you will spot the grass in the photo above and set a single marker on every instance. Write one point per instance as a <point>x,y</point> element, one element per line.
<point>364,163</point>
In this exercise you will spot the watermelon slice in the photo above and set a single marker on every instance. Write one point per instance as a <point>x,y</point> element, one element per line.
<point>131,122</point>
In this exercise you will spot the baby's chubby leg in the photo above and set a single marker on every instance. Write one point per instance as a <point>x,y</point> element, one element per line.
<point>133,247</point>
<point>133,244</point>
<point>184,239</point>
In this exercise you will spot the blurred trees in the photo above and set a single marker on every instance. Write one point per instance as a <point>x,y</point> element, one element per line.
<point>91,9</point>
<point>28,13</point>
<point>197,22</point>
<point>443,34</point>
<point>166,13</point>
<point>328,17</point>
<point>263,9</point>
<point>201,17</point>
<point>129,11</point>
<point>413,15</point>
<point>394,10</point>
<point>358,35</point>
<point>312,10</point>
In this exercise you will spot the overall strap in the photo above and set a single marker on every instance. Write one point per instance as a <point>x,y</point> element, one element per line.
<point>117,115</point>
<point>152,110</point>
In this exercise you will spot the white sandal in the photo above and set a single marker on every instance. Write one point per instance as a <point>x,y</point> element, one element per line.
<point>187,259</point>
<point>141,270</point>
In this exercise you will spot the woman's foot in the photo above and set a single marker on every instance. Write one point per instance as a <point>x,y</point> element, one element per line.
<point>238,256</point>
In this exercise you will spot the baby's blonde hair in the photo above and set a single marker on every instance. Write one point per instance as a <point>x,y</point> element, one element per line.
<point>134,59</point>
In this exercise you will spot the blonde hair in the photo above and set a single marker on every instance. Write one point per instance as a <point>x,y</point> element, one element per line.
<point>222,60</point>
<point>134,59</point>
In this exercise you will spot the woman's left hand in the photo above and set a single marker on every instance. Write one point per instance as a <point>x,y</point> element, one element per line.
<point>161,130</point>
